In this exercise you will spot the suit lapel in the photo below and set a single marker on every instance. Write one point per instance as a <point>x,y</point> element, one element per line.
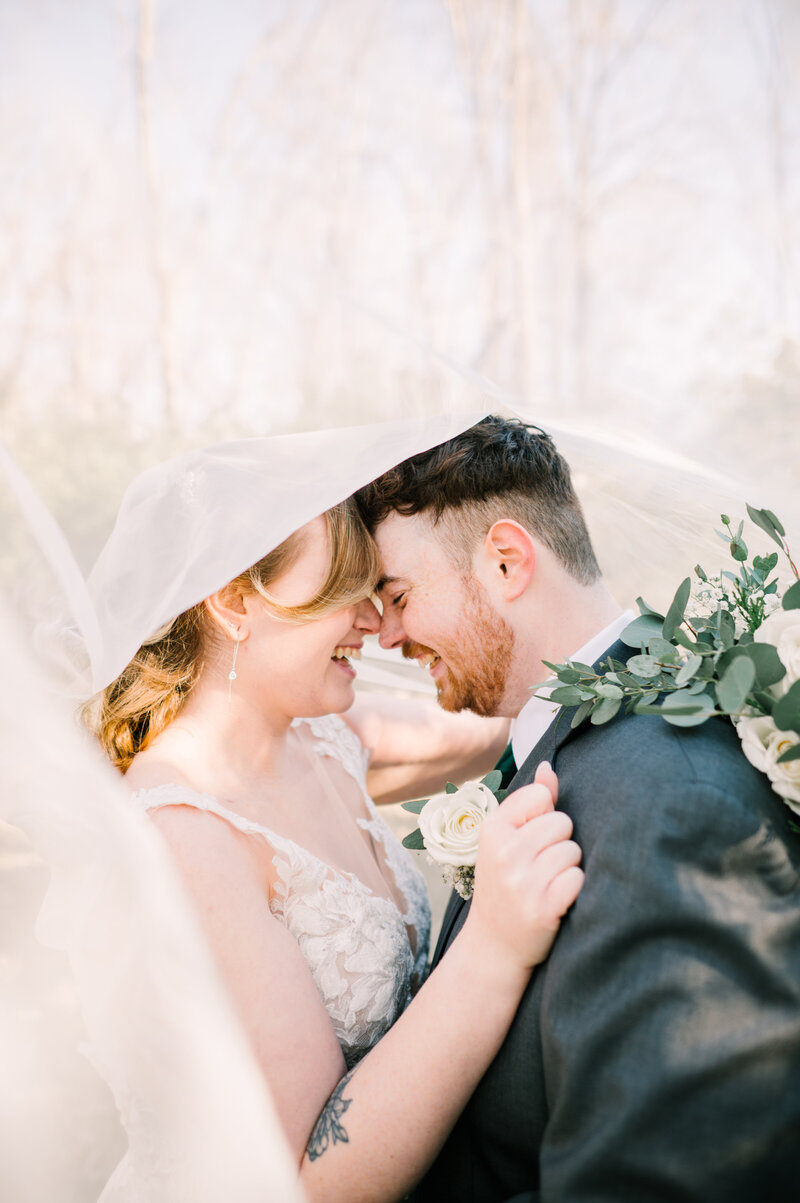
<point>557,734</point>
<point>544,750</point>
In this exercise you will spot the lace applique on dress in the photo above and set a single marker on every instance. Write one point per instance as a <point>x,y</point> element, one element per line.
<point>356,943</point>
<point>336,739</point>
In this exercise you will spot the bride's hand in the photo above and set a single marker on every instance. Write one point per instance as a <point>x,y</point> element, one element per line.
<point>527,874</point>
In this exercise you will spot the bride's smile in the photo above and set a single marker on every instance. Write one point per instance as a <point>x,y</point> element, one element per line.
<point>291,666</point>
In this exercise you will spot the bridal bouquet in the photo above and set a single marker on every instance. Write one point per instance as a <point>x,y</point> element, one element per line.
<point>728,645</point>
<point>450,824</point>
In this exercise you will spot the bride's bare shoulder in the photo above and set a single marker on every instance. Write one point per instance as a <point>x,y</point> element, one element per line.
<point>153,768</point>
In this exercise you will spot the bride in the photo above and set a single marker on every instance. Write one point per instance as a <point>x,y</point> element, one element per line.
<point>235,726</point>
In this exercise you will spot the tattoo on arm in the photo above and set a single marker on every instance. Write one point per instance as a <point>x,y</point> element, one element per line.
<point>329,1130</point>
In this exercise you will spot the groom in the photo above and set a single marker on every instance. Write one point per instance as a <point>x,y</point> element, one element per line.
<point>656,1054</point>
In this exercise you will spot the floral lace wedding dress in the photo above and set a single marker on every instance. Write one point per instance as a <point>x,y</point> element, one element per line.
<point>366,955</point>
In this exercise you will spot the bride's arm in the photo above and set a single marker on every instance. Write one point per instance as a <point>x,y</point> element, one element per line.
<point>415,746</point>
<point>370,1134</point>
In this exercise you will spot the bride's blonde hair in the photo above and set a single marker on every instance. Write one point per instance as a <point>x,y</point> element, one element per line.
<point>144,699</point>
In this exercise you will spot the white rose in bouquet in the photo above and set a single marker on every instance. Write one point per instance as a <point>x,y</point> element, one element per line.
<point>762,744</point>
<point>782,630</point>
<point>785,778</point>
<point>451,823</point>
<point>755,734</point>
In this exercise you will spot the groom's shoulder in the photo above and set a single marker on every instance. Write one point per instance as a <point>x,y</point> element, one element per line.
<point>643,774</point>
<point>709,752</point>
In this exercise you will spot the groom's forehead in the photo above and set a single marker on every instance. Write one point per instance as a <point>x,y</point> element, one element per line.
<point>403,542</point>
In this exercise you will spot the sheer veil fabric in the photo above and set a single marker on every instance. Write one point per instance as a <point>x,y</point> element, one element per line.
<point>189,525</point>
<point>167,1091</point>
<point>135,985</point>
<point>127,1074</point>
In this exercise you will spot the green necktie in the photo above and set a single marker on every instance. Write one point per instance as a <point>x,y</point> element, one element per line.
<point>507,766</point>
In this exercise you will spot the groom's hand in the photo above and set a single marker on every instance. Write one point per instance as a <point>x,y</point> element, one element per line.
<point>527,875</point>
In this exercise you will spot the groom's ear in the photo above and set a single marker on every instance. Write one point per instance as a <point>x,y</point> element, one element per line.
<point>510,556</point>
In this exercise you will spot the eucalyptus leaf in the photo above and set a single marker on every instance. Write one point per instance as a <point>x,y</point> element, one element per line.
<point>566,695</point>
<point>765,564</point>
<point>735,684</point>
<point>683,709</point>
<point>581,713</point>
<point>414,841</point>
<point>627,680</point>
<point>738,550</point>
<point>492,780</point>
<point>605,711</point>
<point>786,712</point>
<point>557,668</point>
<point>725,629</point>
<point>450,788</point>
<point>697,686</point>
<point>568,676</point>
<point>644,666</point>
<point>792,753</point>
<point>775,522</point>
<point>585,670</point>
<point>548,684</point>
<point>416,806</point>
<point>678,608</point>
<point>766,661</point>
<point>767,521</point>
<point>645,609</point>
<point>662,649</point>
<point>645,627</point>
<point>608,690</point>
<point>688,669</point>
<point>791,598</point>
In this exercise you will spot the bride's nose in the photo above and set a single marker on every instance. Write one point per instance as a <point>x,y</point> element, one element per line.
<point>368,619</point>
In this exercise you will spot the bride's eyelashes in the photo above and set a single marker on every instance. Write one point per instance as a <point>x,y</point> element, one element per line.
<point>398,598</point>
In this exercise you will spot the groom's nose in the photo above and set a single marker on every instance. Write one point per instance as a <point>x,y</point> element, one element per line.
<point>391,633</point>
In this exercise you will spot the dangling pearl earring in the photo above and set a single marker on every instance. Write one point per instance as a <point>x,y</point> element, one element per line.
<point>232,673</point>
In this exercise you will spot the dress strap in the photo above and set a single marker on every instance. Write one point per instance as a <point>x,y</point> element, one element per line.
<point>172,794</point>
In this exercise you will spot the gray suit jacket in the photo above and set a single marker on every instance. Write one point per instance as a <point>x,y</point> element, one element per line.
<point>656,1053</point>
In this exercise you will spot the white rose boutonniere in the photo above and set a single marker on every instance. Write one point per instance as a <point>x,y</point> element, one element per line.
<point>450,825</point>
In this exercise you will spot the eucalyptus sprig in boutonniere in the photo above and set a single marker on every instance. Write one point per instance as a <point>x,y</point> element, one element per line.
<point>450,824</point>
<point>729,645</point>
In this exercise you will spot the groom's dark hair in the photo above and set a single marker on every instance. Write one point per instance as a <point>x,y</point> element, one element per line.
<point>500,468</point>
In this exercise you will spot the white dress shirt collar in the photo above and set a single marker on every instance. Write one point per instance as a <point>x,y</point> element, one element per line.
<point>537,714</point>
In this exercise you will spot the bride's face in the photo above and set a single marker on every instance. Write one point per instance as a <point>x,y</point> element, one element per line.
<point>300,671</point>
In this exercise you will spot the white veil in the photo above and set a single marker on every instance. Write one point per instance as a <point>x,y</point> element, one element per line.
<point>133,990</point>
<point>113,976</point>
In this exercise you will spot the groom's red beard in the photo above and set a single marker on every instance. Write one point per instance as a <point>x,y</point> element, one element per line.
<point>477,658</point>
